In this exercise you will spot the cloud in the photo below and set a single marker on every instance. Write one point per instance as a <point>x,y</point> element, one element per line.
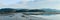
<point>45,4</point>
<point>30,4</point>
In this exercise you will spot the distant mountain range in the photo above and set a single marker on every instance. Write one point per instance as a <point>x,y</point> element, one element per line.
<point>51,10</point>
<point>10,10</point>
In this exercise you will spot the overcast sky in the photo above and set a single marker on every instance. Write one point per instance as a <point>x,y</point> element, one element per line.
<point>55,4</point>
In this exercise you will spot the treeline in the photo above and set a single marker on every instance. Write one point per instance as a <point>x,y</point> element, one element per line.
<point>10,10</point>
<point>32,10</point>
<point>7,10</point>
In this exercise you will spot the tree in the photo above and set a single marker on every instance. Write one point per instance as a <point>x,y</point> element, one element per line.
<point>22,10</point>
<point>36,10</point>
<point>7,10</point>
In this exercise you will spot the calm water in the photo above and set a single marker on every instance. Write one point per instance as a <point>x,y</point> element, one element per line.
<point>33,17</point>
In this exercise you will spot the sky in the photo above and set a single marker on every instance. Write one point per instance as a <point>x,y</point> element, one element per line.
<point>30,4</point>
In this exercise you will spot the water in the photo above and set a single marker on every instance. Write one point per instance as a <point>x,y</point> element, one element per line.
<point>32,17</point>
<point>51,17</point>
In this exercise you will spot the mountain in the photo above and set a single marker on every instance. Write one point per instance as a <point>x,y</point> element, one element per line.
<point>49,10</point>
